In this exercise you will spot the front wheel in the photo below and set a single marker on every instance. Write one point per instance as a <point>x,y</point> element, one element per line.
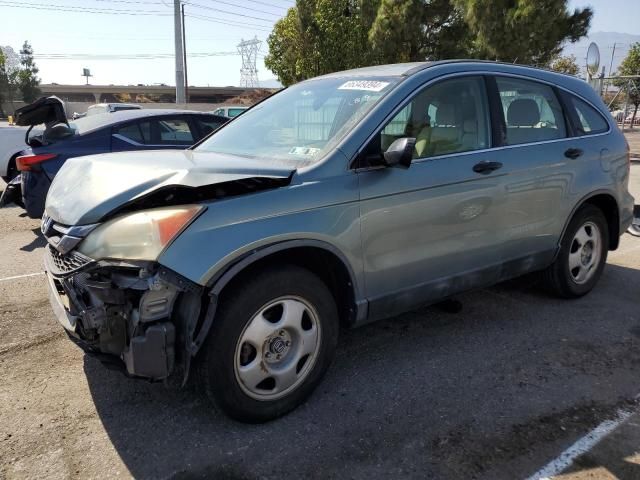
<point>582,255</point>
<point>273,339</point>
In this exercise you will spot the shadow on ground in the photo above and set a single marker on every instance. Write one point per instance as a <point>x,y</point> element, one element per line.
<point>495,391</point>
<point>37,242</point>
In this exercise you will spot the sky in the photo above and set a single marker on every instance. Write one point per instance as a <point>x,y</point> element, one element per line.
<point>138,28</point>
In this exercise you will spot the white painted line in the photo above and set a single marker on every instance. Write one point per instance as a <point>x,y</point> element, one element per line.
<point>21,276</point>
<point>583,445</point>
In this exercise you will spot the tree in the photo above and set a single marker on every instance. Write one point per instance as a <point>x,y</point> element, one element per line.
<point>530,32</point>
<point>418,30</point>
<point>317,37</point>
<point>631,66</point>
<point>285,50</point>
<point>28,80</point>
<point>9,68</point>
<point>567,65</point>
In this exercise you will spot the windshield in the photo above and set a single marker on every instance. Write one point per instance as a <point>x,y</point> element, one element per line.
<point>303,123</point>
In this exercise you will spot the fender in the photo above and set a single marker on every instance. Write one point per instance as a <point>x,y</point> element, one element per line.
<point>217,283</point>
<point>579,204</point>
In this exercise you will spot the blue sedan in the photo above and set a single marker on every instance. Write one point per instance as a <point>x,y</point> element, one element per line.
<point>108,132</point>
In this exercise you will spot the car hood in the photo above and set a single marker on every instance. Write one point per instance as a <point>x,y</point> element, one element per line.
<point>86,189</point>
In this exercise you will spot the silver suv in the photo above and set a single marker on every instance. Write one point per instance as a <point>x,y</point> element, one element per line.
<point>339,201</point>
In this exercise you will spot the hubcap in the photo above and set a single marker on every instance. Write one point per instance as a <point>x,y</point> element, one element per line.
<point>585,253</point>
<point>277,349</point>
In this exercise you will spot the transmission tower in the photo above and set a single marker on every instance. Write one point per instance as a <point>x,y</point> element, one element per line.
<point>248,50</point>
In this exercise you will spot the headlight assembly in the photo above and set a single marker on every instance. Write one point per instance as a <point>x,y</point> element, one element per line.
<point>140,235</point>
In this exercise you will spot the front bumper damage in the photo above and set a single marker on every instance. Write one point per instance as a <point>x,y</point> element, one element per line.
<point>139,315</point>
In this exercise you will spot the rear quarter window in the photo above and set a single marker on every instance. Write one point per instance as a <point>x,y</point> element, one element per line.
<point>589,120</point>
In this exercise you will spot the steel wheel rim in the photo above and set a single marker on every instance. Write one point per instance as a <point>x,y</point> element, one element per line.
<point>277,348</point>
<point>585,252</point>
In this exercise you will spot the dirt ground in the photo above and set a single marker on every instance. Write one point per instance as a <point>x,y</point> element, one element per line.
<point>493,392</point>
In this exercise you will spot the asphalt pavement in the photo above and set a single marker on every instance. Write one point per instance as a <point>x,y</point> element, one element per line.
<point>496,391</point>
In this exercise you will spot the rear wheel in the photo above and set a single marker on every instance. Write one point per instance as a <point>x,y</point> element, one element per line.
<point>273,339</point>
<point>582,256</point>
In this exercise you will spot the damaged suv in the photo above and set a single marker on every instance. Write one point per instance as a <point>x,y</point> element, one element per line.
<point>339,201</point>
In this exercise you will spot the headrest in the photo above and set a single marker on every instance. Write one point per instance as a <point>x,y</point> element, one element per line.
<point>446,114</point>
<point>523,112</point>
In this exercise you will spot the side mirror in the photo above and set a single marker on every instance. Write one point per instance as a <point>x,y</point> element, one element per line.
<point>400,152</point>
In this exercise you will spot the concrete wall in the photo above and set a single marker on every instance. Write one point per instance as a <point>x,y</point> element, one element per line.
<point>81,107</point>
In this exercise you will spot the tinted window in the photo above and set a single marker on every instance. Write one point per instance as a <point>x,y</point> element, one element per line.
<point>174,132</point>
<point>445,118</point>
<point>131,132</point>
<point>208,124</point>
<point>590,121</point>
<point>531,111</point>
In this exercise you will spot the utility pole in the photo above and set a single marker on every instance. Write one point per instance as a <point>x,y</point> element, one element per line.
<point>177,22</point>
<point>248,50</point>
<point>184,57</point>
<point>613,52</point>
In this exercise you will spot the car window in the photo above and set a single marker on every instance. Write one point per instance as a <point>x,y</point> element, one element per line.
<point>532,111</point>
<point>591,121</point>
<point>174,131</point>
<point>208,124</point>
<point>234,112</point>
<point>131,132</point>
<point>449,117</point>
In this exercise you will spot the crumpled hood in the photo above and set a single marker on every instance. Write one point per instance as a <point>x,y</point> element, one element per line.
<point>88,188</point>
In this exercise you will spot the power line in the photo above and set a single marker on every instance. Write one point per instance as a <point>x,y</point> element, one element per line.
<point>253,26</point>
<point>227,12</point>
<point>240,6</point>
<point>72,9</point>
<point>125,56</point>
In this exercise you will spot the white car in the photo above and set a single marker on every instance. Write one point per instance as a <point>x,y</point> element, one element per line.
<point>11,144</point>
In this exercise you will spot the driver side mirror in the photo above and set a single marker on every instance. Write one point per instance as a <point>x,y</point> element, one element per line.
<point>400,152</point>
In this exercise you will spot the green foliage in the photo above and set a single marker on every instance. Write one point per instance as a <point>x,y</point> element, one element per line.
<point>631,86</point>
<point>567,65</point>
<point>631,66</point>
<point>524,31</point>
<point>28,80</point>
<point>418,30</point>
<point>316,37</point>
<point>323,36</point>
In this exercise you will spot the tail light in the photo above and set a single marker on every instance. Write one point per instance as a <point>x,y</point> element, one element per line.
<point>628,154</point>
<point>26,162</point>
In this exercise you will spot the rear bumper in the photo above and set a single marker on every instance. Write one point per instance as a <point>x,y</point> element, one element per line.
<point>626,212</point>
<point>35,186</point>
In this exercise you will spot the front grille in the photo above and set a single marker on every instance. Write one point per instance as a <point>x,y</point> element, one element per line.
<point>64,264</point>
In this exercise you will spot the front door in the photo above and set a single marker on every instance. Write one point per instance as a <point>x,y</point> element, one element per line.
<point>433,229</point>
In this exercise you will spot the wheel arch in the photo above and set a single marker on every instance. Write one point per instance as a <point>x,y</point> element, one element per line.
<point>321,258</point>
<point>608,204</point>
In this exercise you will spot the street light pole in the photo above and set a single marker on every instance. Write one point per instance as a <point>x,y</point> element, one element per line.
<point>184,57</point>
<point>177,21</point>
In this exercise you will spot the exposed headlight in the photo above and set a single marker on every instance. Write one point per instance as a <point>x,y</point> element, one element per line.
<point>138,236</point>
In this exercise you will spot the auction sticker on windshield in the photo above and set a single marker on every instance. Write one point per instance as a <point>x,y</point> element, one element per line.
<point>367,85</point>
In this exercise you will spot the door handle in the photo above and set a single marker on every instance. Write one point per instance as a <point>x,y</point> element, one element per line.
<point>485,167</point>
<point>573,153</point>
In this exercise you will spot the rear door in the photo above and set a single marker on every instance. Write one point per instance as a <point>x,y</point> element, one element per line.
<point>166,132</point>
<point>536,136</point>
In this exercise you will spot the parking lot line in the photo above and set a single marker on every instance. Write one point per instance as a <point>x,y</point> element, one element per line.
<point>583,445</point>
<point>21,276</point>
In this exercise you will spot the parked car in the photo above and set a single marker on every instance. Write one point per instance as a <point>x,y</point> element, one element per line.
<point>99,108</point>
<point>12,142</point>
<point>114,132</point>
<point>230,111</point>
<point>343,199</point>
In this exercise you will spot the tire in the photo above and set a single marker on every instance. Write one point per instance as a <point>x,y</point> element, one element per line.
<point>286,309</point>
<point>582,256</point>
<point>12,170</point>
